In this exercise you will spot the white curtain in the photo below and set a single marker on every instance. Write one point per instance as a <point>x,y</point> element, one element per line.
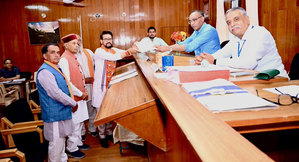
<point>221,26</point>
<point>252,11</point>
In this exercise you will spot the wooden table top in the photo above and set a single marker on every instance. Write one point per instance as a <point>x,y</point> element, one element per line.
<point>282,116</point>
<point>205,131</point>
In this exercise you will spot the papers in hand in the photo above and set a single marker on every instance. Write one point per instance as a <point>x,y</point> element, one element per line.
<point>145,45</point>
<point>222,95</point>
<point>123,76</point>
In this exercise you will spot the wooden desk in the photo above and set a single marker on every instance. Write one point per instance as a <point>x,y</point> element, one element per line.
<point>184,60</point>
<point>285,117</point>
<point>192,133</point>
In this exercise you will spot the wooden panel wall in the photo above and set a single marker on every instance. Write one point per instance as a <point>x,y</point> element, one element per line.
<point>278,16</point>
<point>281,18</point>
<point>140,14</point>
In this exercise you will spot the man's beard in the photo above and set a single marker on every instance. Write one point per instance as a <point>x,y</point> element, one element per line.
<point>106,45</point>
<point>152,37</point>
<point>80,50</point>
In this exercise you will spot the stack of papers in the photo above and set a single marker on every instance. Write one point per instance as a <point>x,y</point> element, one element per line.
<point>123,76</point>
<point>221,95</point>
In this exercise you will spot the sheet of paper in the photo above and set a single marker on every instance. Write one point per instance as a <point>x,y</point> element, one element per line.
<point>145,45</point>
<point>293,90</point>
<point>161,75</point>
<point>232,102</point>
<point>228,96</point>
<point>124,77</point>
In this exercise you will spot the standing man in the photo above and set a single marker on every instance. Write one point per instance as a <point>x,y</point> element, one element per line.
<point>105,63</point>
<point>86,60</point>
<point>253,47</point>
<point>203,39</point>
<point>57,103</point>
<point>74,73</point>
<point>9,72</point>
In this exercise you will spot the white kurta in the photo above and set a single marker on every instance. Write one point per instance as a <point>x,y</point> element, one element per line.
<point>81,114</point>
<point>100,57</point>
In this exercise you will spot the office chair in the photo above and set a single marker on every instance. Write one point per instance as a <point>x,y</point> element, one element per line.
<point>224,43</point>
<point>30,150</point>
<point>294,70</point>
<point>20,114</point>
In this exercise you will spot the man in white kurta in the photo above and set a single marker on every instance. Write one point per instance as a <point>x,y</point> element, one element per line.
<point>152,37</point>
<point>69,64</point>
<point>86,59</point>
<point>105,61</point>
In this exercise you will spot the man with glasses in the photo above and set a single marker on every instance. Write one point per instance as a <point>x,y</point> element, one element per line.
<point>253,47</point>
<point>105,63</point>
<point>203,39</point>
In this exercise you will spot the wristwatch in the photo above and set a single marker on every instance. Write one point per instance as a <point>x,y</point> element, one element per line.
<point>170,48</point>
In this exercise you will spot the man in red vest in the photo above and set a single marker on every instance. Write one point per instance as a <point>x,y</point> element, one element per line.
<point>75,74</point>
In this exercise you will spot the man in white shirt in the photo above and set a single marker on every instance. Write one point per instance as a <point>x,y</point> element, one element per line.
<point>105,63</point>
<point>151,33</point>
<point>253,47</point>
<point>86,59</point>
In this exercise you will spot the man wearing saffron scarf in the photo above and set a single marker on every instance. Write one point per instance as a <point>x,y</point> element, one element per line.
<point>75,74</point>
<point>85,58</point>
<point>105,63</point>
<point>57,103</point>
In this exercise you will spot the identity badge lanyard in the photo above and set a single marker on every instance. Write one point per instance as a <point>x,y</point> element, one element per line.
<point>240,49</point>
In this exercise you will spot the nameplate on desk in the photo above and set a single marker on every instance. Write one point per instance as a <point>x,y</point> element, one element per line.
<point>147,58</point>
<point>155,67</point>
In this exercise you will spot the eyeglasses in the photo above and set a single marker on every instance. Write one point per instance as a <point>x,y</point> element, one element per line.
<point>193,20</point>
<point>107,39</point>
<point>284,99</point>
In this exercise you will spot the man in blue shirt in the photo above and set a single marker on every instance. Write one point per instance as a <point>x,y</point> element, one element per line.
<point>203,39</point>
<point>9,72</point>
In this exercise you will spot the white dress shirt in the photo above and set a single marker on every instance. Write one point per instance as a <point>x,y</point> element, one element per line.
<point>257,51</point>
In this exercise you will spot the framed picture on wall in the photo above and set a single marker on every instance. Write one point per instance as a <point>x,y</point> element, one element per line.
<point>43,32</point>
<point>206,9</point>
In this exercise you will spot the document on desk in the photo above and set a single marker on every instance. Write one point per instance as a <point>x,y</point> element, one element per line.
<point>17,81</point>
<point>123,76</point>
<point>145,45</point>
<point>292,90</point>
<point>221,95</point>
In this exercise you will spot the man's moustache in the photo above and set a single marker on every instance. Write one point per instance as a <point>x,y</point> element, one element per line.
<point>235,27</point>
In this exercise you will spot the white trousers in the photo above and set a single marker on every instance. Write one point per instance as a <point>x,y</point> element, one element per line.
<point>74,140</point>
<point>56,148</point>
<point>92,112</point>
<point>105,129</point>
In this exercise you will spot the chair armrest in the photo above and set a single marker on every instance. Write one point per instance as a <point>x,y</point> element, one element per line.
<point>12,152</point>
<point>7,132</point>
<point>6,123</point>
<point>35,109</point>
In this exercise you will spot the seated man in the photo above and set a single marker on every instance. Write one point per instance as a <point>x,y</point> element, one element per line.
<point>9,72</point>
<point>203,39</point>
<point>253,47</point>
<point>151,33</point>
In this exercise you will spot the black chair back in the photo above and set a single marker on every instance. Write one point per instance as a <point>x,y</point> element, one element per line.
<point>294,70</point>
